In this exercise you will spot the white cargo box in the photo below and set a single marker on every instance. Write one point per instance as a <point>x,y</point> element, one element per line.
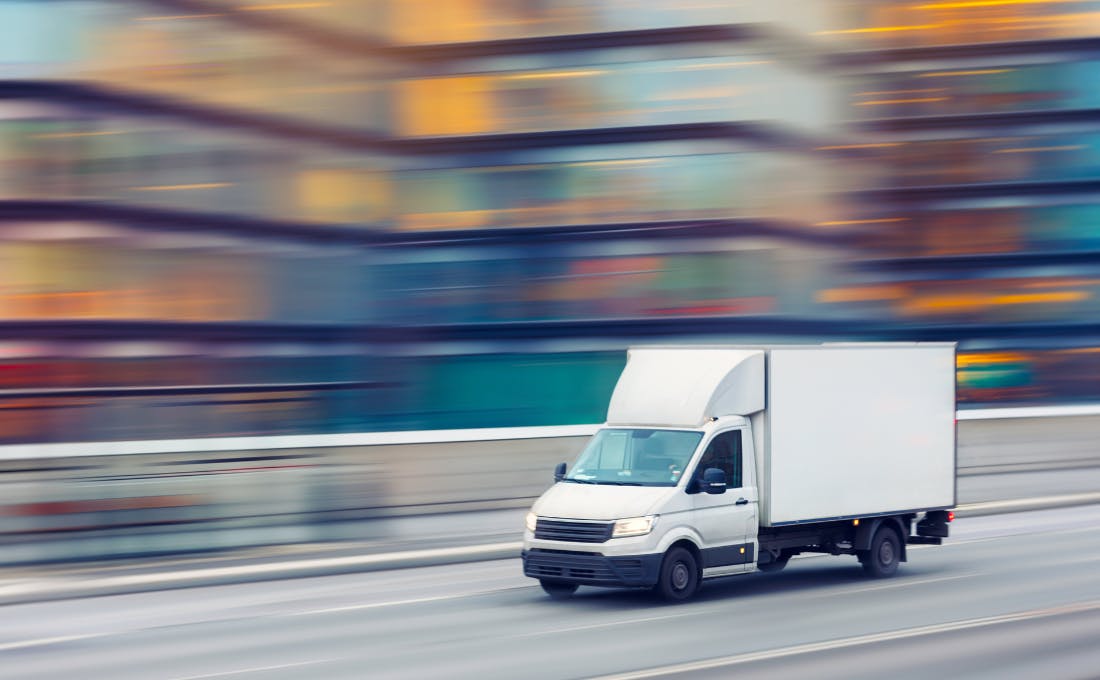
<point>858,430</point>
<point>840,431</point>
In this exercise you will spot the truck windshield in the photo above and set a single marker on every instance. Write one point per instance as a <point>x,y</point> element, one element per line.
<point>634,457</point>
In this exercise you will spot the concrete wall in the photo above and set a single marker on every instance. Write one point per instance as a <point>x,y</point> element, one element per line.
<point>70,506</point>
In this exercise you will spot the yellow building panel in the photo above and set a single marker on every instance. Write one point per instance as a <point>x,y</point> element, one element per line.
<point>473,110</point>
<point>432,21</point>
<point>342,195</point>
<point>460,105</point>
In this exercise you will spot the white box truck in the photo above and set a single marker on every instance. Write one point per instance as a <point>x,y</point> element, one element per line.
<point>726,460</point>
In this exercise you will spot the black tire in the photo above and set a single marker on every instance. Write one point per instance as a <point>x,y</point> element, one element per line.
<point>558,590</point>
<point>679,578</point>
<point>882,560</point>
<point>775,565</point>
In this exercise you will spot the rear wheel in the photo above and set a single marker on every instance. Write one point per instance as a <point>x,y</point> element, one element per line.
<point>884,556</point>
<point>558,590</point>
<point>679,577</point>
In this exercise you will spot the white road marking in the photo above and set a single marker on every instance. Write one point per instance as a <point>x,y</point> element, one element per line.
<point>699,612</point>
<point>42,642</point>
<point>1028,531</point>
<point>894,584</point>
<point>395,603</point>
<point>256,669</point>
<point>855,641</point>
<point>75,586</point>
<point>197,575</point>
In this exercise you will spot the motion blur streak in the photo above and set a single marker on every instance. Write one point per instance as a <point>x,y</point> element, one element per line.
<point>384,215</point>
<point>227,220</point>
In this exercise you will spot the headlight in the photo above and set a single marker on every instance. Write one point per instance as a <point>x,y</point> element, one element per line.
<point>531,520</point>
<point>635,526</point>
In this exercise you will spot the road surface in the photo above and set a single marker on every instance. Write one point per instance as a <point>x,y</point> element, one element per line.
<point>1010,596</point>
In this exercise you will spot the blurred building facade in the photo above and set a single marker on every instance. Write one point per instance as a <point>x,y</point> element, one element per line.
<point>230,217</point>
<point>981,117</point>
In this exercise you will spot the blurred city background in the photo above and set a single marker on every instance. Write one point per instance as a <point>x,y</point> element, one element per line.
<point>245,218</point>
<point>256,218</point>
<point>322,286</point>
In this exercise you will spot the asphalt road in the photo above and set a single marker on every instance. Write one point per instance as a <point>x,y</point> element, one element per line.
<point>1010,596</point>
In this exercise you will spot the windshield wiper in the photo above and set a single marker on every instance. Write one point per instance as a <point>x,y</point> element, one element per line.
<point>622,483</point>
<point>578,481</point>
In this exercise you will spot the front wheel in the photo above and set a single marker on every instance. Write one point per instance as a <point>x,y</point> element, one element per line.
<point>558,590</point>
<point>679,578</point>
<point>884,556</point>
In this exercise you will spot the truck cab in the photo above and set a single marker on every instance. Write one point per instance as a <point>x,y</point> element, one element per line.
<point>698,485</point>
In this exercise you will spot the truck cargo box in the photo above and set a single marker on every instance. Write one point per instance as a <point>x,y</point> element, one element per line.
<point>854,431</point>
<point>840,430</point>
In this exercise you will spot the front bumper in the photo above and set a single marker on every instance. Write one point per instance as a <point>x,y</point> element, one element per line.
<point>593,569</point>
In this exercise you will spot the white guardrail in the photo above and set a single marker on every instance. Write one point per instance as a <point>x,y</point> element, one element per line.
<point>318,441</point>
<point>296,441</point>
<point>1029,412</point>
<point>102,499</point>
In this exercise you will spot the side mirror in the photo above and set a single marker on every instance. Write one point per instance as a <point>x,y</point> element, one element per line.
<point>559,472</point>
<point>714,481</point>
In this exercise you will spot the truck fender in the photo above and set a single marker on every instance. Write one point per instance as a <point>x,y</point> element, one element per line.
<point>866,532</point>
<point>678,534</point>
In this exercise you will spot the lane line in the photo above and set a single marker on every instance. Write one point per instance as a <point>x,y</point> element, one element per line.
<point>696,613</point>
<point>896,584</point>
<point>859,640</point>
<point>294,565</point>
<point>395,603</point>
<point>256,669</point>
<point>1025,531</point>
<point>53,586</point>
<point>42,642</point>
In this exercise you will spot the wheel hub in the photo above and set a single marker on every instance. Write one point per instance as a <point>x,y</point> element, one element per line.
<point>680,576</point>
<point>886,552</point>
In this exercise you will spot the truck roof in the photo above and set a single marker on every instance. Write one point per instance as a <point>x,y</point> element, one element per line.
<point>686,386</point>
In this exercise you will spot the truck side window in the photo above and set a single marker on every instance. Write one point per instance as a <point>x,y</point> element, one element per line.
<point>724,453</point>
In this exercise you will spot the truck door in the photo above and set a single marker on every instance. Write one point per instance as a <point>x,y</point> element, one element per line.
<point>724,520</point>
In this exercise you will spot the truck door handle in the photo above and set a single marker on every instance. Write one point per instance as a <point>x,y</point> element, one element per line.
<point>742,501</point>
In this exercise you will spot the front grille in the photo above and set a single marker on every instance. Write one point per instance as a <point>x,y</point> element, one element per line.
<point>569,566</point>
<point>579,532</point>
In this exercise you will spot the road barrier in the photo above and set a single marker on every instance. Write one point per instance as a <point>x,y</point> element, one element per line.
<point>107,499</point>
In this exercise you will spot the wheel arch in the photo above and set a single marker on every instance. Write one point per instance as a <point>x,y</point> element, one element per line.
<point>690,547</point>
<point>682,536</point>
<point>867,530</point>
